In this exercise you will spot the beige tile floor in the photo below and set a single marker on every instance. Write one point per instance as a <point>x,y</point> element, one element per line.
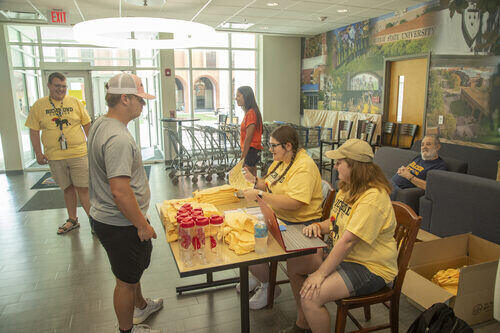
<point>51,283</point>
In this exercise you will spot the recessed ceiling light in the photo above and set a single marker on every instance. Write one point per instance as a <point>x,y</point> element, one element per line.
<point>272,4</point>
<point>341,10</point>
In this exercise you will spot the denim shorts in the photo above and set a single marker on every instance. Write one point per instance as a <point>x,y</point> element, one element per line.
<point>359,280</point>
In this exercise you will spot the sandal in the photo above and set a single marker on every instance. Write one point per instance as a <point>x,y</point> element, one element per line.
<point>64,228</point>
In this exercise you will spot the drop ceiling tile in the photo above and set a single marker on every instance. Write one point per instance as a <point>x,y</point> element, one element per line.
<point>307,6</point>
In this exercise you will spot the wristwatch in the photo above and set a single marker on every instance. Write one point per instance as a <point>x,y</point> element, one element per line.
<point>259,194</point>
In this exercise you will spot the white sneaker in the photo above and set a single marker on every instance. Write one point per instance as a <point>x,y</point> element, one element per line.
<point>252,284</point>
<point>259,299</point>
<point>144,329</point>
<point>152,305</point>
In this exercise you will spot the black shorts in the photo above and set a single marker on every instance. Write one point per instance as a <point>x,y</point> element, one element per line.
<point>253,157</point>
<point>128,256</point>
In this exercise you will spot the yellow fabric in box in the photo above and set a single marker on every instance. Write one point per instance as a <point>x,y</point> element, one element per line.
<point>447,279</point>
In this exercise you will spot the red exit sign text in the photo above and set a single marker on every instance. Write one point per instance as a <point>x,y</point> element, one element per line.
<point>58,16</point>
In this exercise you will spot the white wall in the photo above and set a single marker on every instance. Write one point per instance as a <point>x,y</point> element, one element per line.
<point>280,78</point>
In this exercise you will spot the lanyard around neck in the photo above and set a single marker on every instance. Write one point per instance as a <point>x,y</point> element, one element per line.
<point>57,111</point>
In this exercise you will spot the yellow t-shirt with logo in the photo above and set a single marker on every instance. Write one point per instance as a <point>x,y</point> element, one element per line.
<point>302,183</point>
<point>43,116</point>
<point>372,219</point>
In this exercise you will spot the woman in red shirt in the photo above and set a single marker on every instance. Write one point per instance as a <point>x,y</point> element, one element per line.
<point>251,128</point>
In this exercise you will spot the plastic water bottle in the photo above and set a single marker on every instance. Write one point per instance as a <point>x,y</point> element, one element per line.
<point>201,231</point>
<point>216,238</point>
<point>260,235</point>
<point>186,251</point>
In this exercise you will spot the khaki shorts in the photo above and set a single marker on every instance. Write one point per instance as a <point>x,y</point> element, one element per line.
<point>71,171</point>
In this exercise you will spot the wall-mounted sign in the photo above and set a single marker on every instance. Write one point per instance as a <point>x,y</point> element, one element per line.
<point>58,16</point>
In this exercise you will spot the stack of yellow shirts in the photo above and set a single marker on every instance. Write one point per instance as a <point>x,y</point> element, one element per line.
<point>219,195</point>
<point>239,232</point>
<point>447,279</point>
<point>169,210</point>
<point>237,179</point>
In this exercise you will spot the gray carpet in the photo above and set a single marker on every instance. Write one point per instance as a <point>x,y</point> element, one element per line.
<point>46,199</point>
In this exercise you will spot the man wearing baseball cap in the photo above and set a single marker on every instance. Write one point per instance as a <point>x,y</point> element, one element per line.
<point>119,199</point>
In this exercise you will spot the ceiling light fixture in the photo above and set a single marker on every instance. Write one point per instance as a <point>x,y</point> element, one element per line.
<point>272,4</point>
<point>341,10</point>
<point>233,25</point>
<point>100,32</point>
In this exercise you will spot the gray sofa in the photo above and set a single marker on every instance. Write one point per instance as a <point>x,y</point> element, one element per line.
<point>390,159</point>
<point>481,162</point>
<point>455,203</point>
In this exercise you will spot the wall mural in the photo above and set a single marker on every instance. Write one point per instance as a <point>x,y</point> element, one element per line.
<point>343,69</point>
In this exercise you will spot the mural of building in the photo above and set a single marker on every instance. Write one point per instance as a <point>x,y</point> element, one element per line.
<point>343,69</point>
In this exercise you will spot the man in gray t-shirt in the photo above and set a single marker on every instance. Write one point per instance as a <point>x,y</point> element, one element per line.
<point>119,199</point>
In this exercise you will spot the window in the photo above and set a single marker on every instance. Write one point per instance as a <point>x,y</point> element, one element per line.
<point>213,75</point>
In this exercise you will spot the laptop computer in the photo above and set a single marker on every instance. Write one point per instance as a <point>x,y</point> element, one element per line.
<point>292,239</point>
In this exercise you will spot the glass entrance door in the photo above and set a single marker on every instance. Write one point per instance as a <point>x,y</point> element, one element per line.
<point>79,86</point>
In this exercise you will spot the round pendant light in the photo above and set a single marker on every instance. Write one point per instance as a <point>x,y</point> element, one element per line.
<point>185,34</point>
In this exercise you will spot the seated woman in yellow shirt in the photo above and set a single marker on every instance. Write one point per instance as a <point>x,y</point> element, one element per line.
<point>292,188</point>
<point>363,257</point>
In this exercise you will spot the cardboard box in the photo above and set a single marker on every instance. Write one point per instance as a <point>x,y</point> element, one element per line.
<point>478,259</point>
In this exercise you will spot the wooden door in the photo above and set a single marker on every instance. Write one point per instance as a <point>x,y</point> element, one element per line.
<point>414,73</point>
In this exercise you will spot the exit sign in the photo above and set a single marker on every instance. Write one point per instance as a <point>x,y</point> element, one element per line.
<point>58,16</point>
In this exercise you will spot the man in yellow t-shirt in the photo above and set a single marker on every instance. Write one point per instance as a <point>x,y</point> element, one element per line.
<point>61,118</point>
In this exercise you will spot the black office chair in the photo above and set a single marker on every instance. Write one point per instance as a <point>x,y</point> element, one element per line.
<point>409,130</point>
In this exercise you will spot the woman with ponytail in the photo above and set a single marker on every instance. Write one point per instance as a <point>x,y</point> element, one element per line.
<point>251,128</point>
<point>292,187</point>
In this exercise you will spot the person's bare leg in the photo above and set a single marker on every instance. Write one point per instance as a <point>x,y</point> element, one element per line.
<point>123,301</point>
<point>70,201</point>
<point>260,271</point>
<point>140,302</point>
<point>318,317</point>
<point>298,269</point>
<point>83,195</point>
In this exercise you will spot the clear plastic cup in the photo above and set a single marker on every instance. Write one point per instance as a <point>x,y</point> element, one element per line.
<point>216,238</point>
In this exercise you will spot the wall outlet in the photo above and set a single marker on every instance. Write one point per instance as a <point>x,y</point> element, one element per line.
<point>440,120</point>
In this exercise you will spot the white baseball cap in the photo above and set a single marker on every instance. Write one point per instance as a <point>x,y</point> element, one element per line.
<point>125,83</point>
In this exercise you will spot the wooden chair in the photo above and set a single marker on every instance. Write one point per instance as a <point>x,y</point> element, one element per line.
<point>343,131</point>
<point>328,193</point>
<point>388,129</point>
<point>409,130</point>
<point>405,234</point>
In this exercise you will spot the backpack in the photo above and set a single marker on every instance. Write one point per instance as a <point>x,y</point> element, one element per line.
<point>439,318</point>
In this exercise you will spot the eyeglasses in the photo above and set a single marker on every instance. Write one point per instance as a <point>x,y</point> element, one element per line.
<point>59,86</point>
<point>274,145</point>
